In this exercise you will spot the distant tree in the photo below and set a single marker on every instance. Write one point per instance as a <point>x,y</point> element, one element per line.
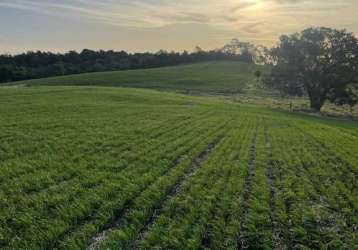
<point>320,62</point>
<point>6,72</point>
<point>348,96</point>
<point>258,74</point>
<point>198,49</point>
<point>245,50</point>
<point>234,47</point>
<point>262,55</point>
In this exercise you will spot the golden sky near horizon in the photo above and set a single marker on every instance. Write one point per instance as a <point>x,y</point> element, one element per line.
<point>150,25</point>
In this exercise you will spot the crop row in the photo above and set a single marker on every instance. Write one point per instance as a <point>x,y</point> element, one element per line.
<point>184,222</point>
<point>71,202</point>
<point>314,205</point>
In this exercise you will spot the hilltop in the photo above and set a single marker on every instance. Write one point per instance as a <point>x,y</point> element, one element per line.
<point>208,77</point>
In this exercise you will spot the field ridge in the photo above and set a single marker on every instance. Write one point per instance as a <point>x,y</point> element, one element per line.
<point>120,223</point>
<point>195,165</point>
<point>271,175</point>
<point>246,193</point>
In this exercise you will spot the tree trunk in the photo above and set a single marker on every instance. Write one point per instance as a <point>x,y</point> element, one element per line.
<point>317,95</point>
<point>316,100</point>
<point>316,104</point>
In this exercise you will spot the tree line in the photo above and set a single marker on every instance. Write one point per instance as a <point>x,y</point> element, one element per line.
<point>39,64</point>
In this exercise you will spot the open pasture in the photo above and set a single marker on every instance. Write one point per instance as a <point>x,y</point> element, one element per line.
<point>223,77</point>
<point>232,80</point>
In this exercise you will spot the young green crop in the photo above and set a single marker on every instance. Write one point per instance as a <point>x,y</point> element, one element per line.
<point>116,168</point>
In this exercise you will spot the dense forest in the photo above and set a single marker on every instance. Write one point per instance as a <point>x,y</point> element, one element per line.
<point>39,64</point>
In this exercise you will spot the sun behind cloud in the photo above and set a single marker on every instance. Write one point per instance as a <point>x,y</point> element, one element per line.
<point>156,24</point>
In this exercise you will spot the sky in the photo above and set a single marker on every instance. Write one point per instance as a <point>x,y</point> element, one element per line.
<point>151,25</point>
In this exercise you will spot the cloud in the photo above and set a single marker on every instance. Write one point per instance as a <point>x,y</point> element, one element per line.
<point>250,19</point>
<point>138,13</point>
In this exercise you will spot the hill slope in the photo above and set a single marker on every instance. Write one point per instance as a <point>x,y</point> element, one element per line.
<point>210,77</point>
<point>233,79</point>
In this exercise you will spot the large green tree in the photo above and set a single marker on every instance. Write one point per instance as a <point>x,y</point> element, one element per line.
<point>319,62</point>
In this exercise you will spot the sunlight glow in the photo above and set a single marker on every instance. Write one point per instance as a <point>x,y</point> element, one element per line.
<point>164,24</point>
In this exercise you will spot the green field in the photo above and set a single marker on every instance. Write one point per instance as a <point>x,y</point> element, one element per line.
<point>233,80</point>
<point>211,77</point>
<point>118,168</point>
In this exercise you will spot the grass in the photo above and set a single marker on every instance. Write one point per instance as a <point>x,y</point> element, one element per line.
<point>118,168</point>
<point>211,77</point>
<point>234,80</point>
